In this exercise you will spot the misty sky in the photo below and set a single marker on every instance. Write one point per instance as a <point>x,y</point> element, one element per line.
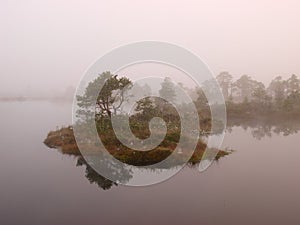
<point>47,45</point>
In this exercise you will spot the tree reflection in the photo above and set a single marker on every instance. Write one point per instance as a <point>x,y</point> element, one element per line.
<point>262,128</point>
<point>93,176</point>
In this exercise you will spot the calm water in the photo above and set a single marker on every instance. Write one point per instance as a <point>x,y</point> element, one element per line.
<point>258,184</point>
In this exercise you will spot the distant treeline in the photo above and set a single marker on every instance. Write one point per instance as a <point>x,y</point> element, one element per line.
<point>66,96</point>
<point>29,99</point>
<point>246,96</point>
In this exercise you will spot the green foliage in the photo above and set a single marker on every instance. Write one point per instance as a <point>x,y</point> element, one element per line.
<point>277,89</point>
<point>146,107</point>
<point>167,90</point>
<point>250,97</point>
<point>111,96</point>
<point>225,81</point>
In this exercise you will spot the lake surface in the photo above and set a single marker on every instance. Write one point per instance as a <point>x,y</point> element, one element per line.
<point>257,184</point>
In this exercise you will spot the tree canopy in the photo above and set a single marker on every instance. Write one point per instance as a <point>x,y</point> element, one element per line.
<point>111,96</point>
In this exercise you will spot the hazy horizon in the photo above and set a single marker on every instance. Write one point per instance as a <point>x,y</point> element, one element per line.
<point>46,46</point>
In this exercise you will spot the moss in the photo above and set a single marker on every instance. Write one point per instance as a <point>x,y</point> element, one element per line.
<point>64,140</point>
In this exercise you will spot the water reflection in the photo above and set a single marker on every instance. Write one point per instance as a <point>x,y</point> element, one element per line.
<point>93,176</point>
<point>262,128</point>
<point>106,184</point>
<point>258,128</point>
<point>99,161</point>
<point>124,174</point>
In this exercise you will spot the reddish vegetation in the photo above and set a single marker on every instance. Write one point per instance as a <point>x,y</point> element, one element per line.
<point>64,140</point>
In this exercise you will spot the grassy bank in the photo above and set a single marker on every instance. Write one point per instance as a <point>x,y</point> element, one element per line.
<point>64,140</point>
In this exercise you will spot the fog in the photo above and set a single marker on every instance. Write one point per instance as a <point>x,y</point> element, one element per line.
<point>47,45</point>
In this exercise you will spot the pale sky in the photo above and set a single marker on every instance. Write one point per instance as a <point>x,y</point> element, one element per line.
<point>47,45</point>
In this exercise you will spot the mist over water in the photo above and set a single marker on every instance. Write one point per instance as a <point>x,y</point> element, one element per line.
<point>46,47</point>
<point>257,184</point>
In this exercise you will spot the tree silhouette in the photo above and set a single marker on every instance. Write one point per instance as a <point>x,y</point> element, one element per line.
<point>111,96</point>
<point>167,90</point>
<point>225,81</point>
